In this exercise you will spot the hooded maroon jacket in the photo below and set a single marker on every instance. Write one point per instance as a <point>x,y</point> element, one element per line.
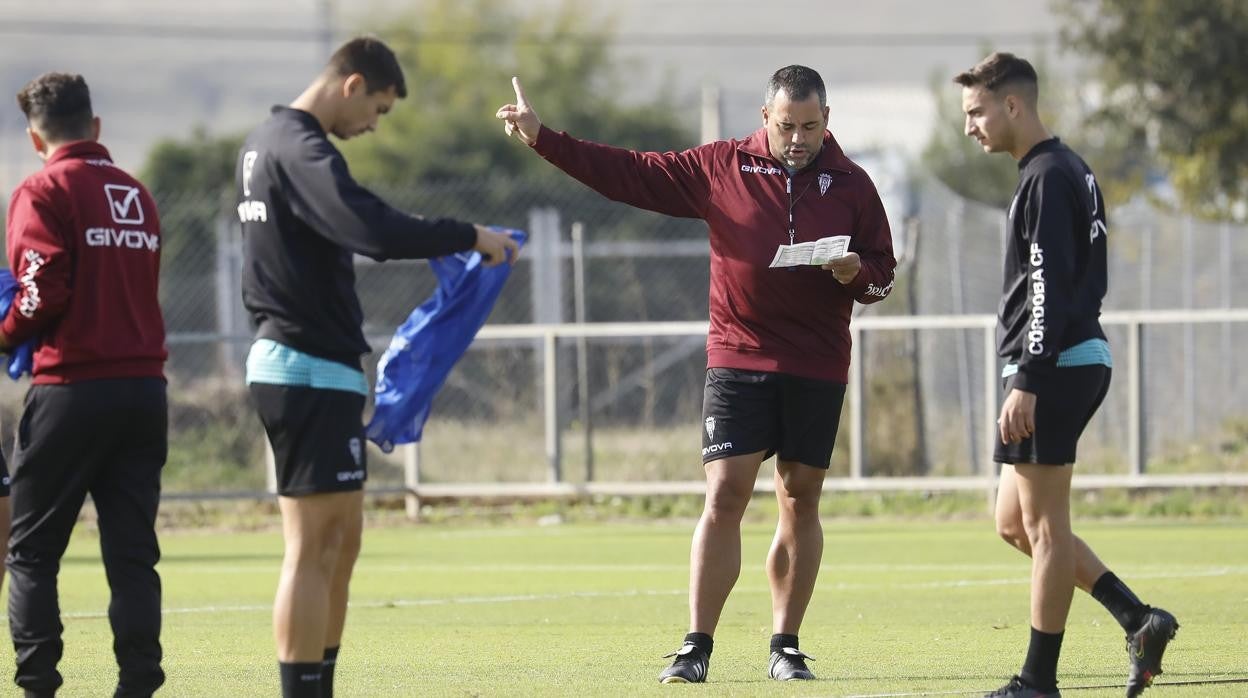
<point>786,320</point>
<point>84,244</point>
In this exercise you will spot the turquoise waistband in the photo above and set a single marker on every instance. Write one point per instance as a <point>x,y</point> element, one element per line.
<point>1091,352</point>
<point>277,364</point>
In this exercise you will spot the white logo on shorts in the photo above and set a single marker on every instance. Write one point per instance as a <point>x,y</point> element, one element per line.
<point>710,427</point>
<point>354,447</point>
<point>717,448</point>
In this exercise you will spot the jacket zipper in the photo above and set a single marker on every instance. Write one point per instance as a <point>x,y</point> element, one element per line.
<point>788,189</point>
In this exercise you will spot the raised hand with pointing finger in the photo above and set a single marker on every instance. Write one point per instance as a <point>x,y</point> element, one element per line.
<point>520,119</point>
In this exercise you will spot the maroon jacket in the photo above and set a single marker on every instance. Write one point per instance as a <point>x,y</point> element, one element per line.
<point>788,320</point>
<point>84,244</point>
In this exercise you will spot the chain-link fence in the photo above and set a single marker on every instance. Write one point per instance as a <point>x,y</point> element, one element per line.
<point>1195,412</point>
<point>924,389</point>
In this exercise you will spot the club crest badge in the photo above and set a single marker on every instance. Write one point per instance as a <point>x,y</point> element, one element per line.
<point>825,181</point>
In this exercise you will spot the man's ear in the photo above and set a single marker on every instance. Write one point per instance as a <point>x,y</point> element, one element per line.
<point>1013,105</point>
<point>40,145</point>
<point>764,110</point>
<point>354,83</point>
<point>95,128</point>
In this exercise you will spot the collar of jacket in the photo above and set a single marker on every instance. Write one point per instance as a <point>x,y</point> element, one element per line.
<point>831,158</point>
<point>82,150</point>
<point>303,117</point>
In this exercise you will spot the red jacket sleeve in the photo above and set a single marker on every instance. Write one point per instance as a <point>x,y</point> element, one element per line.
<point>675,184</point>
<point>40,263</point>
<point>873,241</point>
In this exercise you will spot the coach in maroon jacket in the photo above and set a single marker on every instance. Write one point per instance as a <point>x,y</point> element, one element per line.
<point>84,244</point>
<point>778,345</point>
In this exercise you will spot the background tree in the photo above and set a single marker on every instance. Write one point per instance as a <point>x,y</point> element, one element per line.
<point>1118,155</point>
<point>1174,74</point>
<point>956,159</point>
<point>441,152</point>
<point>192,182</point>
<point>459,57</point>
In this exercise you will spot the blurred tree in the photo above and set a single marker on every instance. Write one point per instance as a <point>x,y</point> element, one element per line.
<point>441,152</point>
<point>202,163</point>
<point>956,159</point>
<point>1177,71</point>
<point>192,183</point>
<point>190,180</point>
<point>459,57</point>
<point>1118,155</point>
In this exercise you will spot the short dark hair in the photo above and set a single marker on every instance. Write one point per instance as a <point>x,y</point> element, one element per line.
<point>371,58</point>
<point>1001,71</point>
<point>58,106</point>
<point>798,82</point>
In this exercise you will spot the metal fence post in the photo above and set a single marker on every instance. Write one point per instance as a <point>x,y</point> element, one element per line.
<point>231,317</point>
<point>582,346</point>
<point>857,393</point>
<point>1189,330</point>
<point>1227,358</point>
<point>1136,427</point>
<point>550,374</point>
<point>411,479</point>
<point>991,392</point>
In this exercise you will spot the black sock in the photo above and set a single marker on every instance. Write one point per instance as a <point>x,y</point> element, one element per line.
<point>300,679</point>
<point>327,672</point>
<point>1040,669</point>
<point>1119,600</point>
<point>780,641</point>
<point>702,641</point>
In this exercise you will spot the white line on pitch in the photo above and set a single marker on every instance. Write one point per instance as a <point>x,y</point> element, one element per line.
<point>403,603</point>
<point>511,598</point>
<point>267,567</point>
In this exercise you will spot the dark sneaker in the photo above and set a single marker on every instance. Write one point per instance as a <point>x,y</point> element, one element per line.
<point>1145,647</point>
<point>1017,688</point>
<point>789,664</point>
<point>689,666</point>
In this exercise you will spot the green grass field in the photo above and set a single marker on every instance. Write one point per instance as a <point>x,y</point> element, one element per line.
<point>577,610</point>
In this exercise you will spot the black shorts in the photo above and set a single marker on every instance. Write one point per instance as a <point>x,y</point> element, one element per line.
<point>749,411</point>
<point>317,437</point>
<point>4,476</point>
<point>1064,406</point>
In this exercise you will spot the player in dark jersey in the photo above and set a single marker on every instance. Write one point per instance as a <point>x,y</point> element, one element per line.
<point>1057,374</point>
<point>304,218</point>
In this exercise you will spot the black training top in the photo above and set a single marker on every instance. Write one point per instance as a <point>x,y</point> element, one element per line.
<point>304,218</point>
<point>1055,264</point>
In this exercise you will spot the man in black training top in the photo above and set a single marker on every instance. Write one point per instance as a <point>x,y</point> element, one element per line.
<point>1057,373</point>
<point>304,219</point>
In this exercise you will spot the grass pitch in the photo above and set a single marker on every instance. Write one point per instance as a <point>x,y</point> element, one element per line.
<point>902,607</point>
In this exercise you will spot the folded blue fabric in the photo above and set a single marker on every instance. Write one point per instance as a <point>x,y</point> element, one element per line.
<point>22,357</point>
<point>428,344</point>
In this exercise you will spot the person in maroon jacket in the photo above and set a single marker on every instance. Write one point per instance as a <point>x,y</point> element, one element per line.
<point>778,344</point>
<point>84,244</point>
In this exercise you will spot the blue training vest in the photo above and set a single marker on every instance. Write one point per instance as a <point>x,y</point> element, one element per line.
<point>427,345</point>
